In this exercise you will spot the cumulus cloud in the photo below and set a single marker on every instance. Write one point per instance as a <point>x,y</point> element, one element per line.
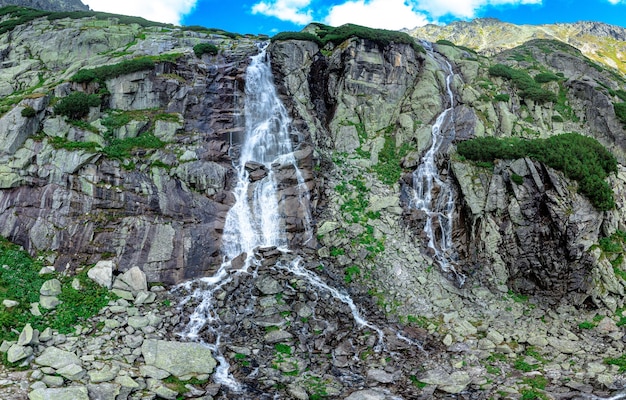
<point>382,14</point>
<point>286,10</point>
<point>168,11</point>
<point>464,8</point>
<point>614,2</point>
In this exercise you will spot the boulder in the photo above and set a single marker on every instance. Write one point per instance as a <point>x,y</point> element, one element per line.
<point>178,358</point>
<point>56,358</point>
<point>67,393</point>
<point>102,273</point>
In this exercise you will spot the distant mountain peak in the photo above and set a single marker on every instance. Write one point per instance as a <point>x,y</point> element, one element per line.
<point>48,5</point>
<point>597,40</point>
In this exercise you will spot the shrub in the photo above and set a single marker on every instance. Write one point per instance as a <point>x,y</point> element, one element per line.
<point>545,77</point>
<point>298,36</point>
<point>28,112</point>
<point>328,34</point>
<point>105,72</point>
<point>76,105</point>
<point>557,118</point>
<point>530,89</point>
<point>580,158</point>
<point>205,48</point>
<point>502,97</point>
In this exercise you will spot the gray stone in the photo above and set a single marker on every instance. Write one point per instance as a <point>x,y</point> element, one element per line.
<point>453,383</point>
<point>124,294</point>
<point>34,309</point>
<point>149,371</point>
<point>49,302</point>
<point>56,358</point>
<point>268,285</point>
<point>17,353</point>
<point>369,394</point>
<point>105,374</point>
<point>178,358</point>
<point>298,392</point>
<point>68,393</point>
<point>103,391</point>
<point>46,335</point>
<point>278,336</point>
<point>102,273</point>
<point>27,336</point>
<point>10,303</point>
<point>51,288</point>
<point>145,298</point>
<point>46,270</point>
<point>138,322</point>
<point>133,280</point>
<point>564,346</point>
<point>379,375</point>
<point>164,392</point>
<point>72,372</point>
<point>52,380</point>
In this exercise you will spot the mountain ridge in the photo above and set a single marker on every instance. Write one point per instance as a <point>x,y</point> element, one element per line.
<point>48,5</point>
<point>599,41</point>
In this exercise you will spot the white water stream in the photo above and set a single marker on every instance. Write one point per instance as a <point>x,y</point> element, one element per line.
<point>254,220</point>
<point>432,193</point>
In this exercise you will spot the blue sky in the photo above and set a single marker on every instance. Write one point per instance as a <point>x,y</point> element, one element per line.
<point>272,16</point>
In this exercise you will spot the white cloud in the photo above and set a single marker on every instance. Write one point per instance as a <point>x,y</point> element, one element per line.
<point>286,10</point>
<point>464,8</point>
<point>382,14</point>
<point>615,2</point>
<point>168,11</point>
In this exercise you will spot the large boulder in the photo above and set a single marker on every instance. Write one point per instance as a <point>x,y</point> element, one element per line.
<point>178,358</point>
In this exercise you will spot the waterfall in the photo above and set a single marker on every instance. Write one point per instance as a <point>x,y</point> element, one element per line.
<point>432,193</point>
<point>254,220</point>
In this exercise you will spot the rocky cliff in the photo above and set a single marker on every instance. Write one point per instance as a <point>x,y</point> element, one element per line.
<point>48,5</point>
<point>144,178</point>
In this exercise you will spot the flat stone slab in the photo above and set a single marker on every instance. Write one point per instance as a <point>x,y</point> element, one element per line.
<point>178,358</point>
<point>57,358</point>
<point>68,393</point>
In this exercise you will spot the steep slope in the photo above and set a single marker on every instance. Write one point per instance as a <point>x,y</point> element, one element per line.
<point>601,42</point>
<point>48,5</point>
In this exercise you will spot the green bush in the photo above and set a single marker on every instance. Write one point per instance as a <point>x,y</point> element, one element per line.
<point>205,48</point>
<point>328,34</point>
<point>580,158</point>
<point>445,42</point>
<point>502,97</point>
<point>545,77</point>
<point>28,112</point>
<point>76,105</point>
<point>529,88</point>
<point>22,15</point>
<point>105,72</point>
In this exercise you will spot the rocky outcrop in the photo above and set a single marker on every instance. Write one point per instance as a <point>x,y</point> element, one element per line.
<point>48,5</point>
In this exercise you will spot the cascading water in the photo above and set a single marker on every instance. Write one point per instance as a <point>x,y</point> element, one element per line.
<point>432,194</point>
<point>254,220</point>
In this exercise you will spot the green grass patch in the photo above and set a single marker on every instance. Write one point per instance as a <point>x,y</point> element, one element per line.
<point>580,158</point>
<point>505,97</point>
<point>350,273</point>
<point>21,282</point>
<point>63,143</point>
<point>620,362</point>
<point>122,148</point>
<point>620,111</point>
<point>388,168</point>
